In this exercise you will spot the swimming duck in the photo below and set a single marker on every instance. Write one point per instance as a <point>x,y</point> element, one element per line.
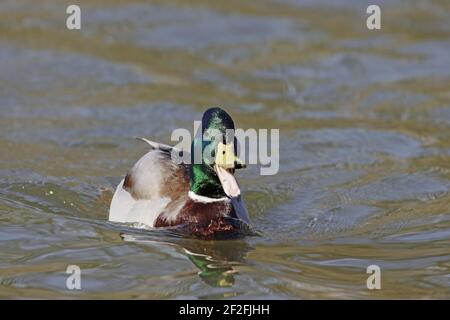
<point>202,197</point>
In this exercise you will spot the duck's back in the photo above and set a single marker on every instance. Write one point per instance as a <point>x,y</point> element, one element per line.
<point>153,186</point>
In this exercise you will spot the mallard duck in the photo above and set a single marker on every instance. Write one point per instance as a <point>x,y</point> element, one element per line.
<point>202,197</point>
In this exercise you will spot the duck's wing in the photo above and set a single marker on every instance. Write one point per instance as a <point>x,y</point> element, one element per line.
<point>153,184</point>
<point>240,208</point>
<point>141,212</point>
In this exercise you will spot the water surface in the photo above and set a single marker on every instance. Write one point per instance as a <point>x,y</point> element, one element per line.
<point>364,119</point>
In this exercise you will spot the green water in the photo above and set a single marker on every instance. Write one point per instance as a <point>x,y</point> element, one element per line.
<point>364,119</point>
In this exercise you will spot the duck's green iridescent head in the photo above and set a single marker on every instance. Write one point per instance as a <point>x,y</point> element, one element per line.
<point>213,157</point>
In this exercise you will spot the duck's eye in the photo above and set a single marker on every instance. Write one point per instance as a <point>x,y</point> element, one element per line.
<point>223,152</point>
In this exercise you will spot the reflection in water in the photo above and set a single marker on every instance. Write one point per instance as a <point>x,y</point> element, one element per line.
<point>216,260</point>
<point>213,272</point>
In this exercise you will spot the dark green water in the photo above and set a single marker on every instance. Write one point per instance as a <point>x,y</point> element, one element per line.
<point>364,119</point>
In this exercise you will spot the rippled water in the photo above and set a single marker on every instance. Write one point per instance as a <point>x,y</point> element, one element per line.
<point>364,119</point>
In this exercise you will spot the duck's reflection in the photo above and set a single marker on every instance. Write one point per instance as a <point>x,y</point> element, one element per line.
<point>216,260</point>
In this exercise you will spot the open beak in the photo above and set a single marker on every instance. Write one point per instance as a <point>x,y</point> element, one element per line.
<point>225,163</point>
